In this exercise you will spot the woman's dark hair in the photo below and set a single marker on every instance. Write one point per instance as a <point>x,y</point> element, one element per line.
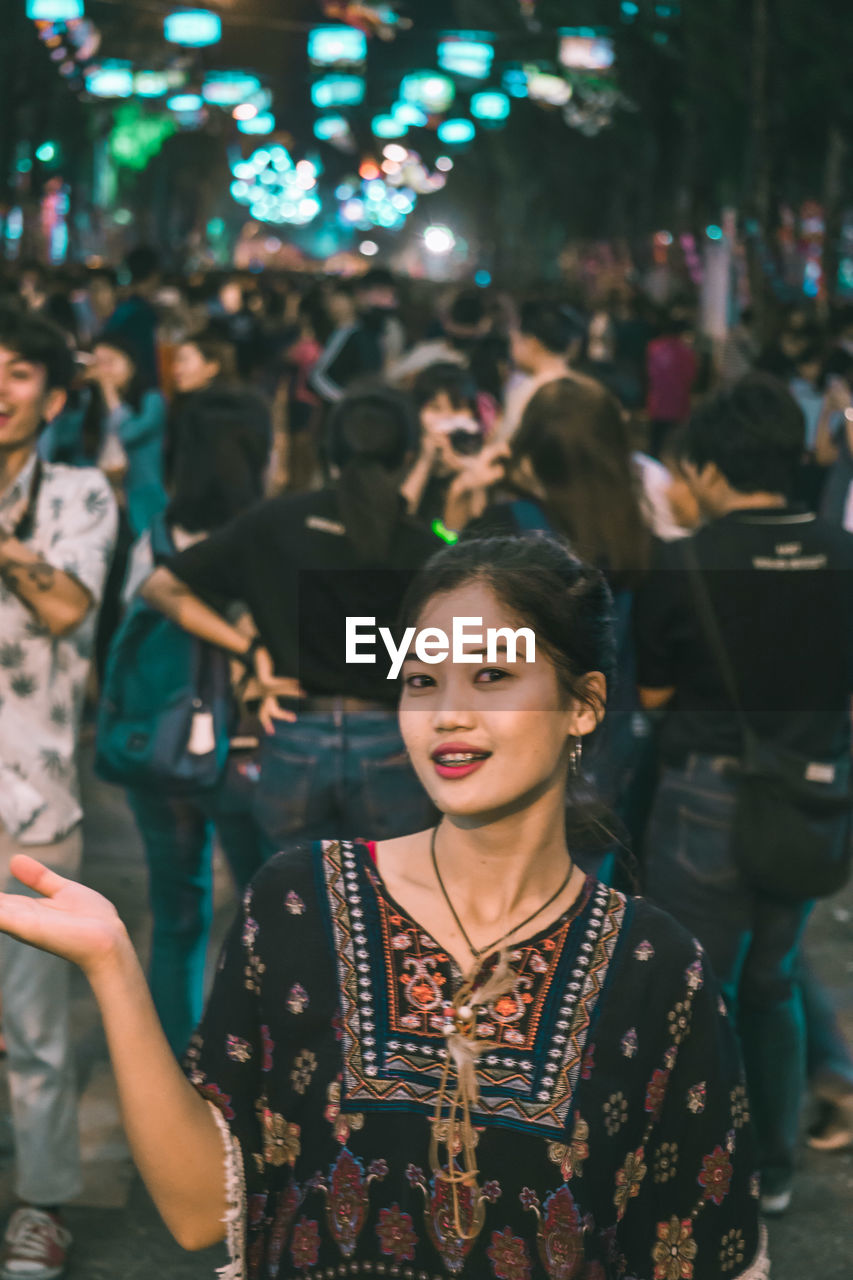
<point>467,310</point>
<point>569,607</point>
<point>369,436</point>
<point>215,348</point>
<point>575,439</point>
<point>448,379</point>
<point>566,603</point>
<point>753,432</point>
<point>554,326</point>
<point>217,470</point>
<point>94,417</point>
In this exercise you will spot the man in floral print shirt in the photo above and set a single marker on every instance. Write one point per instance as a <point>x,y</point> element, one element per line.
<point>57,532</point>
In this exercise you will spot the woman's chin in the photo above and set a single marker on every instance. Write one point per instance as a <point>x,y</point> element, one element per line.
<point>480,810</point>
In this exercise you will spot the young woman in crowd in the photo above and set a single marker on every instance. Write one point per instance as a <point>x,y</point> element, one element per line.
<point>217,473</point>
<point>118,426</point>
<point>210,396</point>
<point>571,471</point>
<point>302,564</point>
<point>446,399</point>
<point>450,1053</point>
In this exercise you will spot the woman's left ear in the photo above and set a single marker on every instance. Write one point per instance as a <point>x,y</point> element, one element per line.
<point>589,710</point>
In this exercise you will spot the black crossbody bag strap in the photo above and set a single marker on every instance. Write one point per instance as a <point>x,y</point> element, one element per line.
<point>713,634</point>
<point>25,528</point>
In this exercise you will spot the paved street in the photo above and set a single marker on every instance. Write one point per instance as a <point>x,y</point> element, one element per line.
<point>117,1232</point>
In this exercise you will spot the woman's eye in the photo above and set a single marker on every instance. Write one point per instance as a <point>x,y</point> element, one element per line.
<point>492,674</point>
<point>419,681</point>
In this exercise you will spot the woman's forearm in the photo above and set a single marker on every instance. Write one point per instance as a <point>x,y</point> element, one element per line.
<point>415,483</point>
<point>172,1133</point>
<point>165,591</point>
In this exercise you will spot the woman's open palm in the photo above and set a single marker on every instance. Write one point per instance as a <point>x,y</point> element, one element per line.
<point>69,920</point>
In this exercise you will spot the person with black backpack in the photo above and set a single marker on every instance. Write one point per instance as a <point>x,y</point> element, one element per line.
<point>745,634</point>
<point>182,797</point>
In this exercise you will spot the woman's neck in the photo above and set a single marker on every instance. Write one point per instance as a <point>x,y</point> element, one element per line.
<point>500,870</point>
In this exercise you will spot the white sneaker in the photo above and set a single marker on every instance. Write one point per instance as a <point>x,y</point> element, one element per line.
<point>773,1206</point>
<point>35,1246</point>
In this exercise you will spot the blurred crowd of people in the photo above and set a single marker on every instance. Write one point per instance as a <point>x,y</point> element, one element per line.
<point>256,458</point>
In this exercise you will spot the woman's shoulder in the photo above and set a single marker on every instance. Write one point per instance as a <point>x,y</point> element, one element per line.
<point>655,940</point>
<point>292,880</point>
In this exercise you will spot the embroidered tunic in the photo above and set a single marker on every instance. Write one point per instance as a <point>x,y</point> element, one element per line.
<point>613,1130</point>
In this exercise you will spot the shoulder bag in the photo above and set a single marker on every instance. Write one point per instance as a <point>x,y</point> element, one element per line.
<point>791,830</point>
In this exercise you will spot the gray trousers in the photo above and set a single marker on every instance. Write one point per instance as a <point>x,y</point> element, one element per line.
<point>35,990</point>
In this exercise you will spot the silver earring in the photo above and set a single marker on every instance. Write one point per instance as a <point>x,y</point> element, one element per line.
<point>575,758</point>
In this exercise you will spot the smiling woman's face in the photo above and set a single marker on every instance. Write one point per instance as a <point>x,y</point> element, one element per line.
<point>487,739</point>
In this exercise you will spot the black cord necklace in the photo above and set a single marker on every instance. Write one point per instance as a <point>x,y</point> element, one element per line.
<point>478,953</point>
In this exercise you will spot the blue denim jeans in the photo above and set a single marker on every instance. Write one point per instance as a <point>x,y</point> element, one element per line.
<point>337,775</point>
<point>752,942</point>
<point>178,836</point>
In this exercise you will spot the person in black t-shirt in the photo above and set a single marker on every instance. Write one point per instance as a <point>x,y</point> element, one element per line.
<point>780,583</point>
<point>353,351</point>
<point>332,759</point>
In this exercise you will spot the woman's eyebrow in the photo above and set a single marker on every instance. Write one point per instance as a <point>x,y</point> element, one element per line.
<point>481,652</point>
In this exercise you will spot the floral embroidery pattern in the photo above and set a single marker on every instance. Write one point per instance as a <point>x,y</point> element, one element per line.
<point>282,1143</point>
<point>297,998</point>
<point>347,1198</point>
<point>268,1047</point>
<point>696,1098</point>
<point>285,1212</point>
<point>716,1176</point>
<point>222,1100</point>
<point>732,1251</point>
<point>656,1093</point>
<point>560,1236</point>
<point>740,1106</point>
<point>571,1157</point>
<point>666,1162</point>
<point>304,1066</point>
<point>305,1246</point>
<point>674,1250</point>
<point>644,951</point>
<point>343,1125</point>
<point>628,1043</point>
<point>615,1113</point>
<point>679,1021</point>
<point>629,1179</point>
<point>396,1234</point>
<point>440,1222</point>
<point>508,1256</point>
<point>293,904</point>
<point>238,1050</point>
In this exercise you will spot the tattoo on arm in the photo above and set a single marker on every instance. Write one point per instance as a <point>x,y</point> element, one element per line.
<point>39,574</point>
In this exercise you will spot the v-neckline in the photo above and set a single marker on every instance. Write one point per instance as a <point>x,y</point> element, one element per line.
<point>377,882</point>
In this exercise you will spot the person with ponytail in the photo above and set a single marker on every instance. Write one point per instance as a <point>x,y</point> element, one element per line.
<point>331,758</point>
<point>451,1054</point>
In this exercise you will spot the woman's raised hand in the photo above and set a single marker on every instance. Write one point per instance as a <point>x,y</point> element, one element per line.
<point>69,920</point>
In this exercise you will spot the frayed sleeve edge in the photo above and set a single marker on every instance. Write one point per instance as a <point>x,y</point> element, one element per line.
<point>235,1197</point>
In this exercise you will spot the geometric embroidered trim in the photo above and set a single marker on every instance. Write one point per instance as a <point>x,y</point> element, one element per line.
<point>531,1090</point>
<point>235,1198</point>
